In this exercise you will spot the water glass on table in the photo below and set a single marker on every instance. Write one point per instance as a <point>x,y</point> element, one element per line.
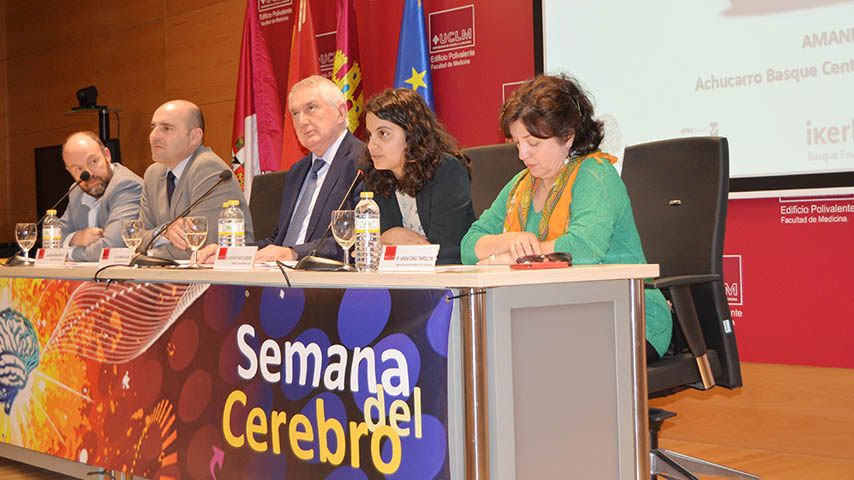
<point>344,231</point>
<point>195,232</point>
<point>26,235</point>
<point>132,233</point>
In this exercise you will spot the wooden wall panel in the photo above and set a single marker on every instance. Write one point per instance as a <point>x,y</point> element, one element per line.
<point>4,117</point>
<point>125,65</point>
<point>136,151</point>
<point>204,78</point>
<point>219,119</point>
<point>44,24</point>
<point>176,7</point>
<point>3,30</point>
<point>21,185</point>
<point>139,54</point>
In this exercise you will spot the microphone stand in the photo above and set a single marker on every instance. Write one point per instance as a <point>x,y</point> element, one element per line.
<point>142,260</point>
<point>17,260</point>
<point>320,264</point>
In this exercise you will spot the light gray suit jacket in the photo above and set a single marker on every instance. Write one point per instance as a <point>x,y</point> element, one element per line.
<point>119,202</point>
<point>201,172</point>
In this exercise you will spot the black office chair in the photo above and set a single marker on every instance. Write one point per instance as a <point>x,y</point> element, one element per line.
<point>266,201</point>
<point>492,167</point>
<point>679,189</point>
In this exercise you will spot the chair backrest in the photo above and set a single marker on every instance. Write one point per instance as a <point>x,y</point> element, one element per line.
<point>492,167</point>
<point>679,191</point>
<point>266,201</point>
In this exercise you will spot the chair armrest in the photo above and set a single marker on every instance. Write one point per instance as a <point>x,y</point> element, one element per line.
<point>682,299</point>
<point>667,282</point>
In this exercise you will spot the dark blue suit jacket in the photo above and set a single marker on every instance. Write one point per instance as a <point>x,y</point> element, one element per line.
<point>338,179</point>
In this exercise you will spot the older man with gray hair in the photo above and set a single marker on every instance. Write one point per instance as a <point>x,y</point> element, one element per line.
<point>318,182</point>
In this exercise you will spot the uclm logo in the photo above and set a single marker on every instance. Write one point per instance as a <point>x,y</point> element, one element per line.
<point>326,52</point>
<point>451,29</point>
<point>733,280</point>
<point>264,5</point>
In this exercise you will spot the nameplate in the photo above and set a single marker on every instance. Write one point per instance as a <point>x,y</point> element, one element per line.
<point>234,258</point>
<point>409,258</point>
<point>51,257</point>
<point>115,256</point>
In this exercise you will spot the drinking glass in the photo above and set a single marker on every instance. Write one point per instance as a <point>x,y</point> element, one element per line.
<point>132,233</point>
<point>344,231</point>
<point>195,232</point>
<point>26,235</point>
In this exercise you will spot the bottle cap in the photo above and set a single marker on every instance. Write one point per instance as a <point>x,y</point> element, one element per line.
<point>366,195</point>
<point>235,202</point>
<point>226,204</point>
<point>51,212</point>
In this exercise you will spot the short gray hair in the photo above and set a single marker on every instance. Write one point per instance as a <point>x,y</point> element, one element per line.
<point>328,91</point>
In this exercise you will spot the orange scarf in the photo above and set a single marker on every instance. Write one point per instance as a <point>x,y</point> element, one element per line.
<point>555,221</point>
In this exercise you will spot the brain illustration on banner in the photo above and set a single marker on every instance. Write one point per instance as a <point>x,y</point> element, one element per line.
<point>20,354</point>
<point>52,334</point>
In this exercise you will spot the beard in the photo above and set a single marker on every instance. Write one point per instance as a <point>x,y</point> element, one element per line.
<point>98,189</point>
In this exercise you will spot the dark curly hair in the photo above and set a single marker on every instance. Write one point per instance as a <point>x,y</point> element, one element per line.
<point>554,106</point>
<point>426,141</point>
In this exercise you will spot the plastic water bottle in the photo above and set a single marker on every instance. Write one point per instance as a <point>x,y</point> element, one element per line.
<point>231,225</point>
<point>367,252</point>
<point>51,231</point>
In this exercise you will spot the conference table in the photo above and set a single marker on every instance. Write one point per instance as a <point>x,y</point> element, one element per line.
<point>542,371</point>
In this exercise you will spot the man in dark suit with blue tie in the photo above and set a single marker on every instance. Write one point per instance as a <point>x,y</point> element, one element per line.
<point>317,183</point>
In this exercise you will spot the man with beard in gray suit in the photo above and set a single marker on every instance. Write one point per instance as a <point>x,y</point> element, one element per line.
<point>93,219</point>
<point>182,172</point>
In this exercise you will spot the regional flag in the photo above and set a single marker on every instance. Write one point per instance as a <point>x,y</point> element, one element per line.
<point>257,130</point>
<point>413,58</point>
<point>346,69</point>
<point>304,63</point>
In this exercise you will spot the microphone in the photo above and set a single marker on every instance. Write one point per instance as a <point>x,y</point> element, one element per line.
<point>142,260</point>
<point>313,262</point>
<point>85,175</point>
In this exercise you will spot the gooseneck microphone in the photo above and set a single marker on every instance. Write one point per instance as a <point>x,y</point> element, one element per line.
<point>313,262</point>
<point>143,260</point>
<point>15,260</point>
<point>83,177</point>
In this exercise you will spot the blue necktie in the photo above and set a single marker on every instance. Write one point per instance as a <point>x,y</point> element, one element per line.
<point>302,211</point>
<point>170,186</point>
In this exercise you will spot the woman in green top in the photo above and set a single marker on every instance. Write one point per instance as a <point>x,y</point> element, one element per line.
<point>570,198</point>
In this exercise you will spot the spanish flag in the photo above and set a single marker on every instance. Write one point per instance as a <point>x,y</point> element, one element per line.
<point>304,63</point>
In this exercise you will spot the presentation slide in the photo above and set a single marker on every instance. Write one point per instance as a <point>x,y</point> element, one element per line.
<point>776,77</point>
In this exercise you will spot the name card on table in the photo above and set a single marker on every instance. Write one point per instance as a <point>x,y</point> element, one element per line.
<point>234,258</point>
<point>51,257</point>
<point>409,258</point>
<point>115,256</point>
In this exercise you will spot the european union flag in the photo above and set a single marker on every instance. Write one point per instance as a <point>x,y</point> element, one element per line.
<point>413,57</point>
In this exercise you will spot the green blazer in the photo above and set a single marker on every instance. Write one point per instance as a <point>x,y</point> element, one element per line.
<point>601,230</point>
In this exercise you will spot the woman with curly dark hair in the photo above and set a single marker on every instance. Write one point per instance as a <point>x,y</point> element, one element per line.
<point>419,174</point>
<point>570,198</point>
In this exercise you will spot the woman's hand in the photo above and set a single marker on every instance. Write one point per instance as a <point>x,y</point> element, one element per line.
<point>500,259</point>
<point>520,244</point>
